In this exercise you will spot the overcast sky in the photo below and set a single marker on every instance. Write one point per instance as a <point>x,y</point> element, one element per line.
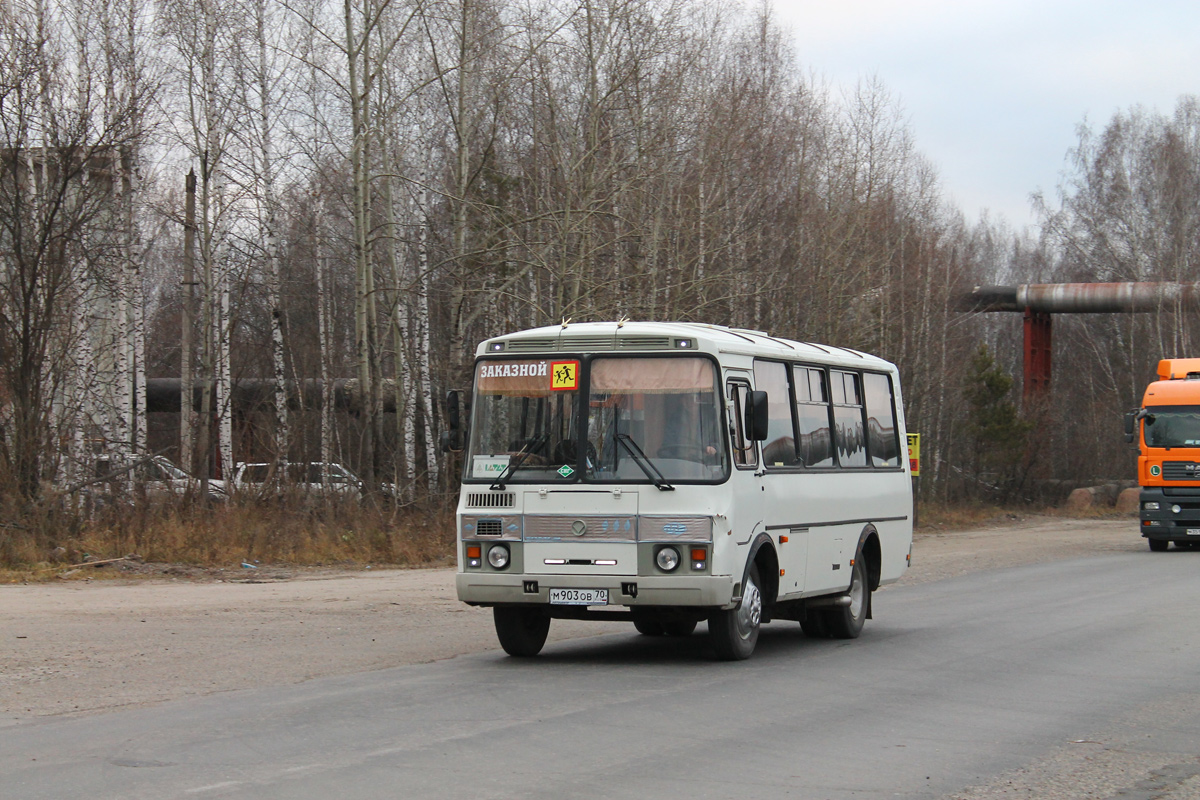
<point>994,89</point>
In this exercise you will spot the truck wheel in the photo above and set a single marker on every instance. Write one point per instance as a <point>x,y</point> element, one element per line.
<point>734,633</point>
<point>846,622</point>
<point>680,627</point>
<point>1158,545</point>
<point>522,631</point>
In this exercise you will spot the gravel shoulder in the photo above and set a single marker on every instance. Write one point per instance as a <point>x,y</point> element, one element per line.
<point>82,646</point>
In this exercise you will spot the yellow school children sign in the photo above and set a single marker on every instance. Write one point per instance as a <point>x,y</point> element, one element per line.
<point>564,375</point>
<point>914,454</point>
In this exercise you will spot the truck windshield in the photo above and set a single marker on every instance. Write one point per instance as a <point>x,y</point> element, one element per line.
<point>1173,426</point>
<point>525,417</point>
<point>669,408</point>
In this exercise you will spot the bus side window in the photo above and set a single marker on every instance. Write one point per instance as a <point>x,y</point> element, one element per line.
<point>882,441</point>
<point>812,415</point>
<point>848,419</point>
<point>779,450</point>
<point>744,453</point>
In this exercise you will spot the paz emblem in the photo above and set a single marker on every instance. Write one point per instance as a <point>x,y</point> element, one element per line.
<point>579,527</point>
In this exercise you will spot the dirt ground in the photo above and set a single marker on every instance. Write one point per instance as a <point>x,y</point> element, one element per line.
<point>79,645</point>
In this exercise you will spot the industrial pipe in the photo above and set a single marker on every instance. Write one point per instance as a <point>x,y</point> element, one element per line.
<point>1083,298</point>
<point>163,394</point>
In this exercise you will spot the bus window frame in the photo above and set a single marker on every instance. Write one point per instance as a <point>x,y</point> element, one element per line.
<point>828,370</point>
<point>737,426</point>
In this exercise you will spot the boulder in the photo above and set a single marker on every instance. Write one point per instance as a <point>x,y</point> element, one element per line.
<point>1081,499</point>
<point>1127,501</point>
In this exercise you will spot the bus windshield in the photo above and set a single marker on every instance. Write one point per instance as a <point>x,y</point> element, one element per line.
<point>662,412</point>
<point>525,421</point>
<point>1173,427</point>
<point>649,420</point>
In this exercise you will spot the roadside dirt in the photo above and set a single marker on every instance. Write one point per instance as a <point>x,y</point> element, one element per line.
<point>90,645</point>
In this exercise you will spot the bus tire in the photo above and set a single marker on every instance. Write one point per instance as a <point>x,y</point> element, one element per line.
<point>813,625</point>
<point>847,622</point>
<point>684,627</point>
<point>1158,545</point>
<point>522,631</point>
<point>648,627</point>
<point>734,633</point>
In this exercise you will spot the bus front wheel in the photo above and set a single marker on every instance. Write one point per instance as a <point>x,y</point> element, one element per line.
<point>522,631</point>
<point>1158,545</point>
<point>734,633</point>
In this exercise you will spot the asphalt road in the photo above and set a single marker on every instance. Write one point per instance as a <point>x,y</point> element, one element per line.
<point>1070,679</point>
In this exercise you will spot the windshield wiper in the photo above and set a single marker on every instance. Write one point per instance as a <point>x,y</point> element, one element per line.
<point>644,462</point>
<point>517,460</point>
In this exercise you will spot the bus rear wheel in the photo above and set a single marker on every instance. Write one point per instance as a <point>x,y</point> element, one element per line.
<point>522,631</point>
<point>680,627</point>
<point>846,622</point>
<point>734,633</point>
<point>648,627</point>
<point>813,625</point>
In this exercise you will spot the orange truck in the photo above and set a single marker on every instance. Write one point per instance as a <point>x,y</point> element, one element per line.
<point>1167,428</point>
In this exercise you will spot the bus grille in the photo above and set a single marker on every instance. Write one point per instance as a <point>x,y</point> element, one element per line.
<point>491,500</point>
<point>489,527</point>
<point>1181,471</point>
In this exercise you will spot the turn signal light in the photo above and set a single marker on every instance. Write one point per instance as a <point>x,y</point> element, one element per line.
<point>474,551</point>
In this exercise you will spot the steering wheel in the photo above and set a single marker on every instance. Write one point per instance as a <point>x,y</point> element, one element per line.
<point>685,452</point>
<point>565,452</point>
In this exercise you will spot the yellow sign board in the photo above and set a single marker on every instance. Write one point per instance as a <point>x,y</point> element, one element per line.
<point>914,454</point>
<point>564,375</point>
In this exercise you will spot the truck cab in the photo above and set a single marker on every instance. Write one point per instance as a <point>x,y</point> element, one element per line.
<point>1167,429</point>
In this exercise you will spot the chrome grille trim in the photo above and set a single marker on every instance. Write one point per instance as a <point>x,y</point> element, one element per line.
<point>558,528</point>
<point>675,529</point>
<point>491,500</point>
<point>505,528</point>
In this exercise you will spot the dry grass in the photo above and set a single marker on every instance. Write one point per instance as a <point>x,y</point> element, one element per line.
<point>935,517</point>
<point>289,531</point>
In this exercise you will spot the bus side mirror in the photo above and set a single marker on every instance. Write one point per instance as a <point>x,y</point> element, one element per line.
<point>756,416</point>
<point>452,436</point>
<point>1130,425</point>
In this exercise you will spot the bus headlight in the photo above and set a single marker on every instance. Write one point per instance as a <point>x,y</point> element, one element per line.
<point>1151,506</point>
<point>498,556</point>
<point>667,559</point>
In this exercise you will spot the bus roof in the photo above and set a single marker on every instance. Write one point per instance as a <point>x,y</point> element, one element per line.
<point>630,337</point>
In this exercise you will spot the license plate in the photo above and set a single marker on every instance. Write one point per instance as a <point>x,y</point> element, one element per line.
<point>579,597</point>
<point>1193,531</point>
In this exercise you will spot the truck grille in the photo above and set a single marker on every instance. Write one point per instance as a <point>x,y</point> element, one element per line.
<point>1181,471</point>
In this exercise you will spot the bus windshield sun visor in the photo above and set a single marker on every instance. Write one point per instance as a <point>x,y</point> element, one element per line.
<point>646,465</point>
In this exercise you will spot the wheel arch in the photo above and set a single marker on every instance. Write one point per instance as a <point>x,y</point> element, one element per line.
<point>868,545</point>
<point>762,553</point>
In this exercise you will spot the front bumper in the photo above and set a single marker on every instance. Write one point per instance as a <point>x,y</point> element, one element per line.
<point>1165,524</point>
<point>706,591</point>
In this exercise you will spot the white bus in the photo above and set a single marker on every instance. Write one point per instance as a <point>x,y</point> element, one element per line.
<point>671,473</point>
